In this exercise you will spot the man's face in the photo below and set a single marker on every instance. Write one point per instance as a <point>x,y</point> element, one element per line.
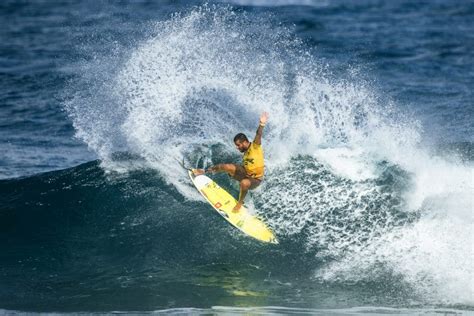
<point>242,146</point>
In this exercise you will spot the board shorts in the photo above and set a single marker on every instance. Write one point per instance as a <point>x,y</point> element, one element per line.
<point>241,173</point>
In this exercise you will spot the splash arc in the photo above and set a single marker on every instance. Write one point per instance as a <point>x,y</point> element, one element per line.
<point>223,203</point>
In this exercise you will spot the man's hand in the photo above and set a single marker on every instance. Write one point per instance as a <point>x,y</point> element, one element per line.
<point>263,118</point>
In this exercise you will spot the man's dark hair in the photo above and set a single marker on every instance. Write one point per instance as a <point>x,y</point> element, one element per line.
<point>240,137</point>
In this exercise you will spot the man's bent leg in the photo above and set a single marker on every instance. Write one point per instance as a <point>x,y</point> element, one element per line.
<point>246,184</point>
<point>238,172</point>
<point>235,171</point>
<point>244,187</point>
<point>230,168</point>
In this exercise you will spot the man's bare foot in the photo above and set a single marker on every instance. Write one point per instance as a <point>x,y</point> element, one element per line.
<point>237,207</point>
<point>198,172</point>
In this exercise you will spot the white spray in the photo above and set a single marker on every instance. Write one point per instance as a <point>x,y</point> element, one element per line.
<point>344,169</point>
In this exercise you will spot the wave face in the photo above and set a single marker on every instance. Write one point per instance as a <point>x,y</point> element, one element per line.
<point>361,208</point>
<point>86,239</point>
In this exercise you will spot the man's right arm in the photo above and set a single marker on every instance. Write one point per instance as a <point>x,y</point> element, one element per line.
<point>258,136</point>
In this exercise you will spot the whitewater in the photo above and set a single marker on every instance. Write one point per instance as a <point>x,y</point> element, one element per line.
<point>348,173</point>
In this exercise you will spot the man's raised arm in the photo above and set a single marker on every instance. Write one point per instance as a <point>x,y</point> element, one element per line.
<point>263,120</point>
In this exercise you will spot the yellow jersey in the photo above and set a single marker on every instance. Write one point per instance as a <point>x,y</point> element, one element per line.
<point>253,161</point>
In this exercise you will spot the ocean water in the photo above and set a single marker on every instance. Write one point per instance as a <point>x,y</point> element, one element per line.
<point>369,156</point>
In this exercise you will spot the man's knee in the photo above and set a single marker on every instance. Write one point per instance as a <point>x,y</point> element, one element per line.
<point>245,184</point>
<point>228,167</point>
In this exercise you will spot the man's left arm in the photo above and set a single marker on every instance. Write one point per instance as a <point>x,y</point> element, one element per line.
<point>263,120</point>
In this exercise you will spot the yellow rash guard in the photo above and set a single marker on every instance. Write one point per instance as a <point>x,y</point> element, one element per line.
<point>253,161</point>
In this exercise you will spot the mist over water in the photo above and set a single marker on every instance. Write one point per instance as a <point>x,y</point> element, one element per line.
<point>345,169</point>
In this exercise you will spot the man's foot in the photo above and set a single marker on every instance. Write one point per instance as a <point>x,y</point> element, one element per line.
<point>198,172</point>
<point>237,207</point>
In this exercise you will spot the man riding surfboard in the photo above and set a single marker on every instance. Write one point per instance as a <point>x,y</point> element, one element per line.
<point>250,173</point>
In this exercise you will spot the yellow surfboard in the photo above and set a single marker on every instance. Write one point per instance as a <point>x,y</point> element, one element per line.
<point>223,203</point>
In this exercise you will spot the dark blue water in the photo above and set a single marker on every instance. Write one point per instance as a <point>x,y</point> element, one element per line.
<point>369,153</point>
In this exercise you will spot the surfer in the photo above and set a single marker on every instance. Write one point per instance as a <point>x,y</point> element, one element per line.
<point>250,173</point>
